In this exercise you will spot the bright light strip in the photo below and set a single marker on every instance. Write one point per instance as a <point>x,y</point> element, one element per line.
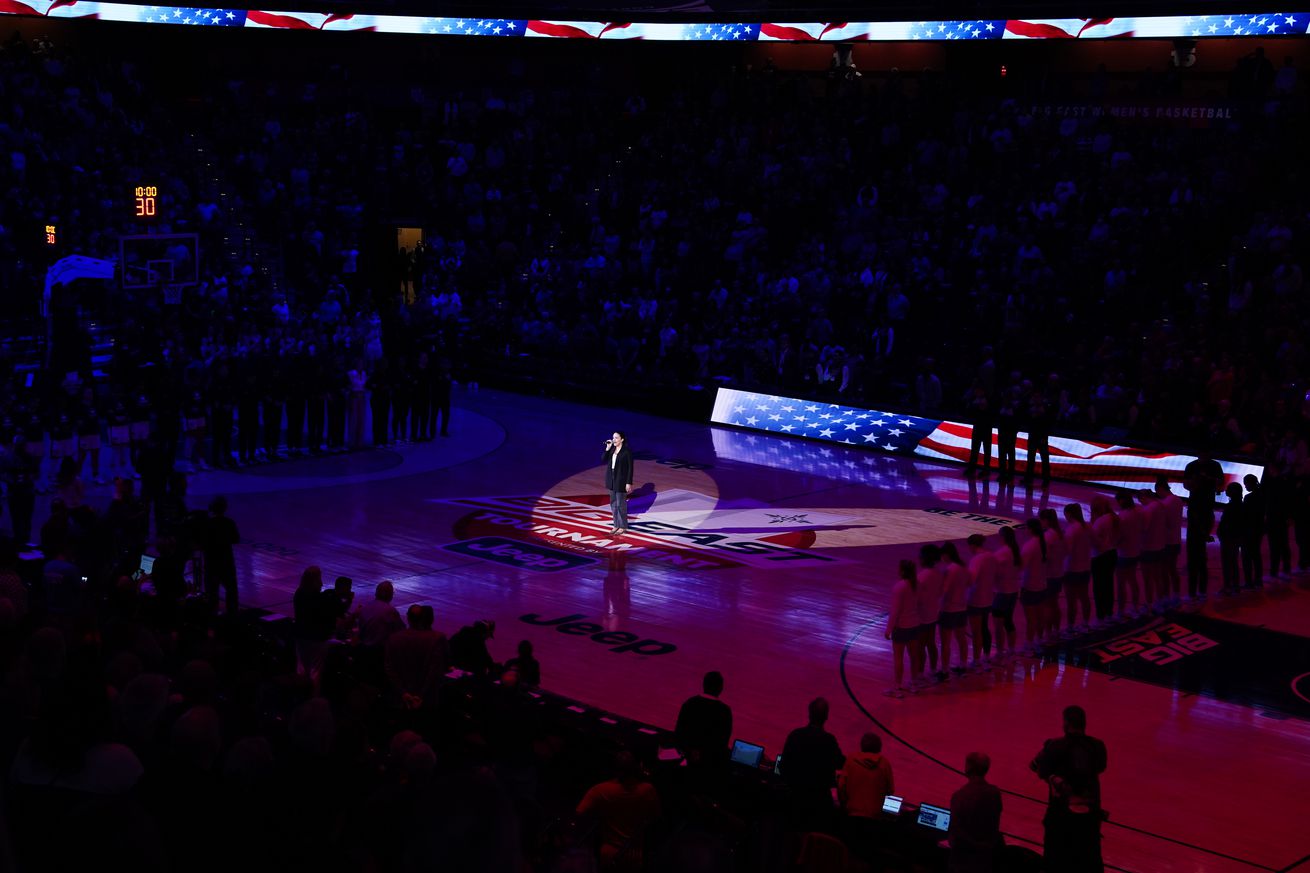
<point>1261,24</point>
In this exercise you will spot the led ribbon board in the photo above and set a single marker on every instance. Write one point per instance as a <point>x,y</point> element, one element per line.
<point>1263,24</point>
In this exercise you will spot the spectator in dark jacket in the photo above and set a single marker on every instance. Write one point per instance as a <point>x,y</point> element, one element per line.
<point>468,648</point>
<point>975,833</point>
<point>313,622</point>
<point>525,668</point>
<point>218,535</point>
<point>1071,766</point>
<point>416,659</point>
<point>704,727</point>
<point>810,761</point>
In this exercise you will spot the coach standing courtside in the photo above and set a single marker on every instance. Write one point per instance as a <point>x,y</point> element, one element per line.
<point>618,479</point>
<point>1071,766</point>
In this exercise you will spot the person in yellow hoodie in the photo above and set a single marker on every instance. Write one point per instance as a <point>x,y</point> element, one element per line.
<point>866,779</point>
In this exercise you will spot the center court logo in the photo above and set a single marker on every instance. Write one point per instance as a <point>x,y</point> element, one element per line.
<point>696,531</point>
<point>679,536</point>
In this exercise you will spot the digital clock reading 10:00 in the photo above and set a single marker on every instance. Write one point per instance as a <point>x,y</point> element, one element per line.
<point>146,201</point>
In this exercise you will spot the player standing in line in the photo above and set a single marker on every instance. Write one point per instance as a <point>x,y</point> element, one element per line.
<point>903,628</point>
<point>982,578</point>
<point>1033,594</point>
<point>1008,562</point>
<point>955,609</point>
<point>1078,536</point>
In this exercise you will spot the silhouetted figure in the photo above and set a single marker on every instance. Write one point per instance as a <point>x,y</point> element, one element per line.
<point>218,536</point>
<point>704,727</point>
<point>811,758</point>
<point>1071,766</point>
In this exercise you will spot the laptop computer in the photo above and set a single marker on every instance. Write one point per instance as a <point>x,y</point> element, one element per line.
<point>891,804</point>
<point>934,817</point>
<point>746,754</point>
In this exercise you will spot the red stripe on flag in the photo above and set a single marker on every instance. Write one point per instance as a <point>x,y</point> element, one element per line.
<point>1066,468</point>
<point>1094,450</point>
<point>331,18</point>
<point>563,31</point>
<point>778,31</point>
<point>13,7</point>
<point>1093,22</point>
<point>1035,30</point>
<point>614,25</point>
<point>269,19</point>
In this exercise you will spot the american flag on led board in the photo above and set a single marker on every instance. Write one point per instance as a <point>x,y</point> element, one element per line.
<point>661,31</point>
<point>1260,24</point>
<point>1082,460</point>
<point>721,32</point>
<point>477,26</point>
<point>881,31</point>
<point>1158,26</point>
<point>192,15</point>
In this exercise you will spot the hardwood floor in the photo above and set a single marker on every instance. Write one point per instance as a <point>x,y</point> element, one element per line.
<point>771,561</point>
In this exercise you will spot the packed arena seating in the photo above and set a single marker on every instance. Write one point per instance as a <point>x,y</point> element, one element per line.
<point>900,239</point>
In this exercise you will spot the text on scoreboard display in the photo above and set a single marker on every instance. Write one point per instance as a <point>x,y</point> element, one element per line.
<point>145,201</point>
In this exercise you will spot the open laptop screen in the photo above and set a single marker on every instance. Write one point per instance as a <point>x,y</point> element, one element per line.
<point>746,753</point>
<point>934,817</point>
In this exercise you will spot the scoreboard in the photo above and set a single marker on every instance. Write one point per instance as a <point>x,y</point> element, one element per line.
<point>146,201</point>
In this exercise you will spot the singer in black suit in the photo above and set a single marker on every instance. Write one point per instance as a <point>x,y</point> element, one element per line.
<point>618,479</point>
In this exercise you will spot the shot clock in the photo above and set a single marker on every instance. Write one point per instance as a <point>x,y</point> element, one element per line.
<point>146,203</point>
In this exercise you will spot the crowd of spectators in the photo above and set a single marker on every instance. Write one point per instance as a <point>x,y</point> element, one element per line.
<point>951,246</point>
<point>267,355</point>
<point>940,243</point>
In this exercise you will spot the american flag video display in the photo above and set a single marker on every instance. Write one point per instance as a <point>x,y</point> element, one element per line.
<point>1259,24</point>
<point>1110,464</point>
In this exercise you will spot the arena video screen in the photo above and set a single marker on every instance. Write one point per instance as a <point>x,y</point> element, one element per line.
<point>1114,465</point>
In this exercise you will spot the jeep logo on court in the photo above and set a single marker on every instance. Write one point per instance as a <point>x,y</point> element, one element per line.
<point>618,641</point>
<point>519,554</point>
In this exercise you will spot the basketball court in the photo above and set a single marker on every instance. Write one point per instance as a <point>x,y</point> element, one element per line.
<point>771,559</point>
